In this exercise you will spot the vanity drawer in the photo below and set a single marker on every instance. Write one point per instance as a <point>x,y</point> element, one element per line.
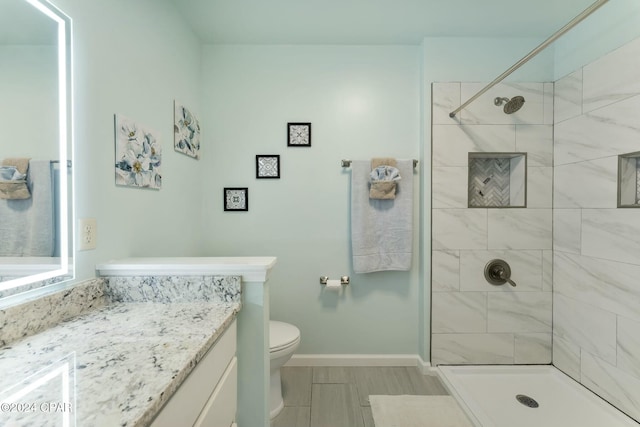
<point>220,410</point>
<point>186,404</point>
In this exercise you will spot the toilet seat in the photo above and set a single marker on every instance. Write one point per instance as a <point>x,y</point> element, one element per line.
<point>282,335</point>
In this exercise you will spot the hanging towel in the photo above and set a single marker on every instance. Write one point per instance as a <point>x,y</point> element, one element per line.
<point>13,179</point>
<point>383,181</point>
<point>383,161</point>
<point>381,230</point>
<point>27,227</point>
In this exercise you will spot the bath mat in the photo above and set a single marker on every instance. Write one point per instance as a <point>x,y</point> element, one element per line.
<point>417,411</point>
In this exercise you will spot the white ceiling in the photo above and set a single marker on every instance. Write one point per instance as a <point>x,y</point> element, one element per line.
<point>372,21</point>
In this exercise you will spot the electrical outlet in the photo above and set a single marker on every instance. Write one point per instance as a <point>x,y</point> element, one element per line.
<point>88,233</point>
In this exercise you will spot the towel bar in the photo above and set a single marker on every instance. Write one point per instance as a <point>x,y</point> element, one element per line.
<point>347,163</point>
<point>58,161</point>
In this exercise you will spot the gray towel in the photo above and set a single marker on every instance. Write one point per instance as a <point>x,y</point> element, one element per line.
<point>27,226</point>
<point>381,230</point>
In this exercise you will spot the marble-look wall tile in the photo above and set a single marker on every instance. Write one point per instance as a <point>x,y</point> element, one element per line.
<point>611,234</point>
<point>445,271</point>
<point>31,317</point>
<point>532,348</point>
<point>459,229</point>
<point>606,132</point>
<point>472,349</point>
<point>590,328</point>
<point>547,271</point>
<point>597,254</point>
<point>567,230</point>
<point>629,346</point>
<point>526,270</point>
<point>484,111</point>
<point>459,312</point>
<point>568,96</point>
<point>540,187</point>
<point>520,228</point>
<point>537,142</point>
<point>166,289</point>
<point>613,77</point>
<point>589,184</point>
<point>566,357</point>
<point>549,108</point>
<point>445,99</point>
<point>450,187</point>
<point>609,285</point>
<point>452,143</point>
<point>614,385</point>
<point>460,235</point>
<point>519,312</point>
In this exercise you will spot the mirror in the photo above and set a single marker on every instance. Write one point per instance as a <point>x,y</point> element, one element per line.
<point>35,147</point>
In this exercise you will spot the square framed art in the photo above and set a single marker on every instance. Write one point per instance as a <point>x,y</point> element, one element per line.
<point>236,199</point>
<point>299,134</point>
<point>268,166</point>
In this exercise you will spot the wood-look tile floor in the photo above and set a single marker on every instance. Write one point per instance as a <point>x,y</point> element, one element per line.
<point>339,396</point>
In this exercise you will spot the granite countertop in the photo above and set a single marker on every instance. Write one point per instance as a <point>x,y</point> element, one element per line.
<point>116,365</point>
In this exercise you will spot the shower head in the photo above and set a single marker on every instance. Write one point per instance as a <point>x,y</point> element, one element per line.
<point>510,105</point>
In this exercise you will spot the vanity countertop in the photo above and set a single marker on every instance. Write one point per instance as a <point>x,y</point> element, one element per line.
<point>116,365</point>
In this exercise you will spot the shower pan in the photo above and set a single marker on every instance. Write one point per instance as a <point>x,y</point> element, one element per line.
<point>489,396</point>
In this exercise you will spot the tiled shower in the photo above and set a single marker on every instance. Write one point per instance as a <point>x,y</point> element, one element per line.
<point>472,320</point>
<point>574,249</point>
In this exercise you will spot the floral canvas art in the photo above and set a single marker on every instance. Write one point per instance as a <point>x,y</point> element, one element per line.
<point>138,155</point>
<point>186,130</point>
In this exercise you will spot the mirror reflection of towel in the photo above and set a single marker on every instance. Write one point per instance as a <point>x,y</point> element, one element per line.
<point>27,227</point>
<point>13,179</point>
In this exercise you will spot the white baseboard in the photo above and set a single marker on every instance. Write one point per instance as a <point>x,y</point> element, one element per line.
<point>360,360</point>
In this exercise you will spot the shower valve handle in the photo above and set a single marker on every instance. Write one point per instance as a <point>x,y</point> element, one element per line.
<point>502,275</point>
<point>497,272</point>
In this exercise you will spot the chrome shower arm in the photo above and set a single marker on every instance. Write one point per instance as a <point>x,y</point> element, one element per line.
<point>575,21</point>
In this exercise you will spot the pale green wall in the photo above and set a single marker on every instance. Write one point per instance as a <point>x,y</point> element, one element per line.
<point>363,102</point>
<point>610,27</point>
<point>133,58</point>
<point>29,88</point>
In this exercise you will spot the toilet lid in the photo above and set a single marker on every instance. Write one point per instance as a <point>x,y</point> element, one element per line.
<point>282,335</point>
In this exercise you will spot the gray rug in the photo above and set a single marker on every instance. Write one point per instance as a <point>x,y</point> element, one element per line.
<point>417,411</point>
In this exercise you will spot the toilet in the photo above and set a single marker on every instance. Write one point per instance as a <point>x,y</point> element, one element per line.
<point>284,339</point>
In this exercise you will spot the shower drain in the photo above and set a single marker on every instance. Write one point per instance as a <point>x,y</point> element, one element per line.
<point>527,401</point>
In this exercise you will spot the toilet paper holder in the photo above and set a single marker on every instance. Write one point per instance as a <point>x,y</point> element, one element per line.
<point>344,280</point>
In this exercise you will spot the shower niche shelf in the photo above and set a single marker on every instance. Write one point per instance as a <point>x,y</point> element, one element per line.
<point>497,180</point>
<point>629,180</point>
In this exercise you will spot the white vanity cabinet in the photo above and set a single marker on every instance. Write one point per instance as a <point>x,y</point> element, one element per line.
<point>208,396</point>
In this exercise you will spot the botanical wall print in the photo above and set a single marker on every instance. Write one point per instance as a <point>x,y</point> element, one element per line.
<point>299,134</point>
<point>236,199</point>
<point>186,130</point>
<point>268,166</point>
<point>138,154</point>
